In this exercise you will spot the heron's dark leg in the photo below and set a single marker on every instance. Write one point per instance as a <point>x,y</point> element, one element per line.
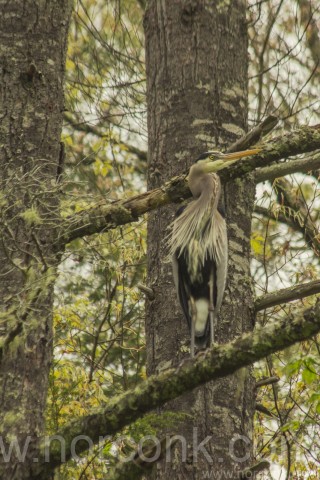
<point>193,318</point>
<point>211,309</point>
<point>192,340</point>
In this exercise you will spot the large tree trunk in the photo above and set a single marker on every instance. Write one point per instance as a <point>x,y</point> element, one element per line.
<point>32,52</point>
<point>196,55</point>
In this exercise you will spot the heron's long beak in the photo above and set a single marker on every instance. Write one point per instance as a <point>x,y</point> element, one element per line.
<point>226,157</point>
<point>220,163</point>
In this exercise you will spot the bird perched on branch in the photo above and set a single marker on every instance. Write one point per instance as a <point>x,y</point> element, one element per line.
<point>199,247</point>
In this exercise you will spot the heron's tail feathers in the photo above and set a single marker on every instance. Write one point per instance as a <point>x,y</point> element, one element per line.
<point>200,316</point>
<point>201,321</point>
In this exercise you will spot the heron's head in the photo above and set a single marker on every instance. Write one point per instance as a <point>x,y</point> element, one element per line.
<point>213,161</point>
<point>208,158</point>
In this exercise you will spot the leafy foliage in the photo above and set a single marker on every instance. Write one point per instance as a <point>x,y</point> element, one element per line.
<point>99,311</point>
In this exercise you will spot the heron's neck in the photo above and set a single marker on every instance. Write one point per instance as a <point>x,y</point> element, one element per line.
<point>200,218</point>
<point>207,193</point>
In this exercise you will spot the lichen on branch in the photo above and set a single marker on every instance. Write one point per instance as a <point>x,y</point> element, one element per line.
<point>106,216</point>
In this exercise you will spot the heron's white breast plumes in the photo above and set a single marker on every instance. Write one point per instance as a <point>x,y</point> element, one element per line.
<point>199,231</point>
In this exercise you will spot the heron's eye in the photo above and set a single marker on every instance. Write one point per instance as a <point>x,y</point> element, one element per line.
<point>212,158</point>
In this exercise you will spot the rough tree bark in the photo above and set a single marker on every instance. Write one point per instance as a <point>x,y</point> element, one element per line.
<point>32,59</point>
<point>196,58</point>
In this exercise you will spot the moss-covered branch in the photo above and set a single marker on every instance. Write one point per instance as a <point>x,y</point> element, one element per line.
<point>312,162</point>
<point>217,362</point>
<point>106,216</point>
<point>287,295</point>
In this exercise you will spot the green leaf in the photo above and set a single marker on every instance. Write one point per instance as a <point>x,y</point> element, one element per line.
<point>309,376</point>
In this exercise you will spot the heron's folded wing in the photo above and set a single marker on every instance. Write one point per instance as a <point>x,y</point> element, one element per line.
<point>182,288</point>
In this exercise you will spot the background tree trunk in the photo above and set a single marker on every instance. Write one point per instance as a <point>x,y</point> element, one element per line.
<point>32,51</point>
<point>196,59</point>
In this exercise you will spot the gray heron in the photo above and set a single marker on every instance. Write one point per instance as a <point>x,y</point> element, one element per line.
<point>199,247</point>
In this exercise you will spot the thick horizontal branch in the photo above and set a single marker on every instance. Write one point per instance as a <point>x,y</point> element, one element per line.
<point>296,142</point>
<point>287,295</point>
<point>287,168</point>
<point>106,216</point>
<point>216,362</point>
